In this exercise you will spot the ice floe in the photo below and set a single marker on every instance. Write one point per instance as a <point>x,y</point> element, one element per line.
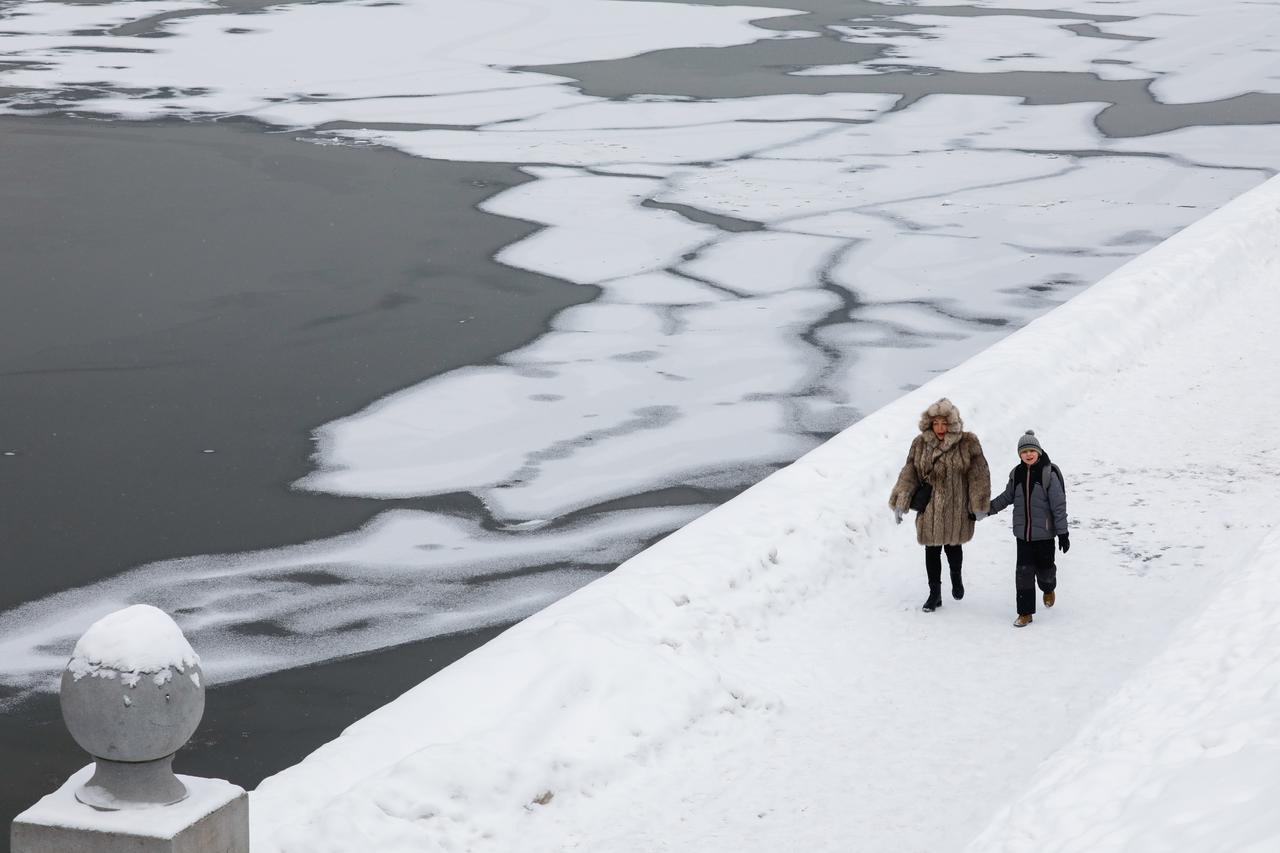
<point>405,576</point>
<point>1194,52</point>
<point>228,63</point>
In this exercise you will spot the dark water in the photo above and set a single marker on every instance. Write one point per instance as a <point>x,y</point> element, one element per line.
<point>176,288</point>
<point>173,288</point>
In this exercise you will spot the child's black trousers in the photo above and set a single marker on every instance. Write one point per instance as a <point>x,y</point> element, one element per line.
<point>1035,567</point>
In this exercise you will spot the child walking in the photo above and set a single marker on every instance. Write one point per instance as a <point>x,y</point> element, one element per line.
<point>1039,500</point>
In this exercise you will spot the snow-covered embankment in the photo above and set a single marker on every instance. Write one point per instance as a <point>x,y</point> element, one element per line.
<point>1187,756</point>
<point>617,674</point>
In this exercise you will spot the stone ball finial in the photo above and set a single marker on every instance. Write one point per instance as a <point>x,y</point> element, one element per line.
<point>132,695</point>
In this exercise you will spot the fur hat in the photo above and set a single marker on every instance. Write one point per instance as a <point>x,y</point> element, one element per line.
<point>1030,442</point>
<point>944,408</point>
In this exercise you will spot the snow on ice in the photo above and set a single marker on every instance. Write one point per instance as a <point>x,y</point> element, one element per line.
<point>404,576</point>
<point>944,234</point>
<point>1195,52</point>
<point>352,52</point>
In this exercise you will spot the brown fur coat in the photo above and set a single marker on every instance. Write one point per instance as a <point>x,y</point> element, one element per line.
<point>956,469</point>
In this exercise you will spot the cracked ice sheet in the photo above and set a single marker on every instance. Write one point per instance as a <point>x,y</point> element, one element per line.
<point>974,240</point>
<point>919,209</point>
<point>558,107</point>
<point>941,123</point>
<point>1196,51</point>
<point>990,259</point>
<point>630,136</point>
<point>65,19</point>
<point>405,576</point>
<point>766,262</point>
<point>465,109</point>
<point>984,45</point>
<point>781,192</point>
<point>617,400</point>
<point>654,112</point>
<point>695,144</point>
<point>1256,147</point>
<point>626,239</point>
<point>971,247</point>
<point>660,288</point>
<point>353,51</point>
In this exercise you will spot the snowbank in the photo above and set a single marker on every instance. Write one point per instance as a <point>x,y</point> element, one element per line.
<point>619,669</point>
<point>1186,757</point>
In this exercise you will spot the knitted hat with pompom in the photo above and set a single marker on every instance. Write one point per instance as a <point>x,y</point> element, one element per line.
<point>1030,442</point>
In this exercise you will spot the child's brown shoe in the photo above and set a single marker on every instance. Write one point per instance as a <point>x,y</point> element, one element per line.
<point>1049,598</point>
<point>1023,620</point>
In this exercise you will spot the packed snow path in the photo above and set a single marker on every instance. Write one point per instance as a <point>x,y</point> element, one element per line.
<point>764,679</point>
<point>878,727</point>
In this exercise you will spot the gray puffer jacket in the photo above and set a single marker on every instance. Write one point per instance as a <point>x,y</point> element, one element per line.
<point>1044,516</point>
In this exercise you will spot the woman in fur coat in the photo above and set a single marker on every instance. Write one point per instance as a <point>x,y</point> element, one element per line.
<point>951,461</point>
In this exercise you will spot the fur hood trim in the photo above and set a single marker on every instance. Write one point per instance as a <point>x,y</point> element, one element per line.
<point>944,408</point>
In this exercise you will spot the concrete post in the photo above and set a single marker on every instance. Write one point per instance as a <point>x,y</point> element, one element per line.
<point>132,695</point>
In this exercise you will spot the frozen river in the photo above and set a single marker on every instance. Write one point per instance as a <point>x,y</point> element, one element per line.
<point>324,400</point>
<point>236,299</point>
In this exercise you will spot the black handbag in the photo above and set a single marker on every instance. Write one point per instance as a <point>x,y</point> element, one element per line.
<point>920,497</point>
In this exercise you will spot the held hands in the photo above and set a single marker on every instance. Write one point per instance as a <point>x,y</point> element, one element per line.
<point>977,516</point>
<point>1064,542</point>
<point>897,515</point>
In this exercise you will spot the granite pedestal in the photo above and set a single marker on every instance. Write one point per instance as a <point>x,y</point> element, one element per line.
<point>214,818</point>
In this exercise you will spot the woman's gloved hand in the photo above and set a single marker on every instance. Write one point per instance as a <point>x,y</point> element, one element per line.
<point>897,515</point>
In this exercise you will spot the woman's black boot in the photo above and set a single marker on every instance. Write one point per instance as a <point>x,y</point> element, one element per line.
<point>933,570</point>
<point>955,559</point>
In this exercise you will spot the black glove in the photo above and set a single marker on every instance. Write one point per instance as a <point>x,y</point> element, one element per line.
<point>1064,542</point>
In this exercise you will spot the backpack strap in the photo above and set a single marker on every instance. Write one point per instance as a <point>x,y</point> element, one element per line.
<point>1045,475</point>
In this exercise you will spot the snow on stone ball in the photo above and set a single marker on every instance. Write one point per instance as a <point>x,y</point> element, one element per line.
<point>135,641</point>
<point>132,690</point>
